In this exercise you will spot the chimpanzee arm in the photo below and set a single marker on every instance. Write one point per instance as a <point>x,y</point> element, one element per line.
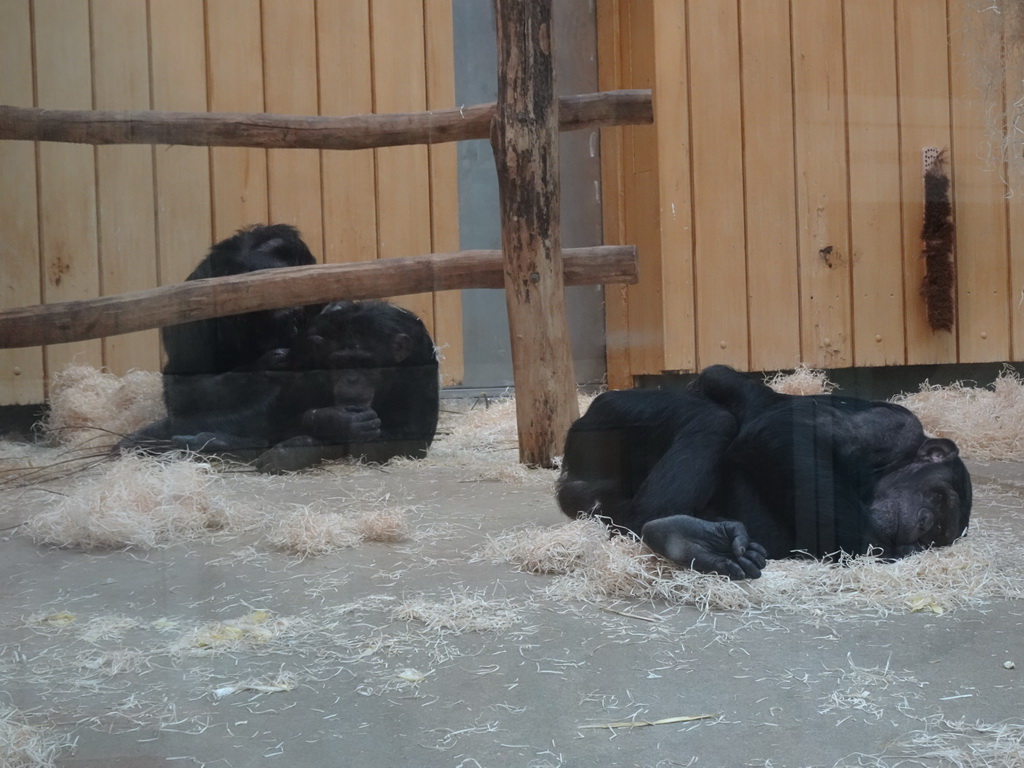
<point>411,408</point>
<point>686,476</point>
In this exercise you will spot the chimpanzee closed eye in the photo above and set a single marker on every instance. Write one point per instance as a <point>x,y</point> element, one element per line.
<point>729,473</point>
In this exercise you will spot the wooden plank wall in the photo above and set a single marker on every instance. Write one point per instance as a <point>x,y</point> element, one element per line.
<point>78,221</point>
<point>777,200</point>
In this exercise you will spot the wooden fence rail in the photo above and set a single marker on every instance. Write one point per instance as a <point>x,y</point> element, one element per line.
<point>287,287</point>
<point>216,129</point>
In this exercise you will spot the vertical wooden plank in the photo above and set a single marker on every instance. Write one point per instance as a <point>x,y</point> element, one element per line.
<point>672,125</point>
<point>719,253</point>
<point>290,66</point>
<point>444,185</point>
<point>773,295</point>
<point>183,196</point>
<point>67,172</point>
<point>822,200</point>
<point>924,122</point>
<point>1015,215</point>
<point>21,370</point>
<point>124,175</point>
<point>646,310</point>
<point>403,176</point>
<point>979,211</point>
<point>610,77</point>
<point>234,44</point>
<point>874,183</point>
<point>346,88</point>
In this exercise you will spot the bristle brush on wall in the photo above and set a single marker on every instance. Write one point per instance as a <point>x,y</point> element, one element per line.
<point>937,244</point>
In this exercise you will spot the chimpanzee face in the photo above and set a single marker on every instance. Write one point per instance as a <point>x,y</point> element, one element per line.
<point>926,503</point>
<point>360,353</point>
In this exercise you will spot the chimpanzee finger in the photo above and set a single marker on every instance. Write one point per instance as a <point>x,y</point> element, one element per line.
<point>367,432</point>
<point>737,534</point>
<point>757,554</point>
<point>751,569</point>
<point>731,569</point>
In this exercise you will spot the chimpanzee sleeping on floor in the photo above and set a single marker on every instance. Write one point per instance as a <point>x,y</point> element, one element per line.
<point>291,387</point>
<point>727,473</point>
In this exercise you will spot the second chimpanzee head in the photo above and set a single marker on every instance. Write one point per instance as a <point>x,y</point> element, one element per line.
<point>250,341</point>
<point>363,345</point>
<point>254,248</point>
<point>923,504</point>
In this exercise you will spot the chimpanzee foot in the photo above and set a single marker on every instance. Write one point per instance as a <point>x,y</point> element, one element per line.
<point>721,547</point>
<point>296,453</point>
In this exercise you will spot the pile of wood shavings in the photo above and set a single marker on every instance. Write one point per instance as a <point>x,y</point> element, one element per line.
<point>802,381</point>
<point>94,408</point>
<point>136,501</point>
<point>589,563</point>
<point>22,744</point>
<point>259,629</point>
<point>955,743</point>
<point>312,530</point>
<point>985,423</point>
<point>462,612</point>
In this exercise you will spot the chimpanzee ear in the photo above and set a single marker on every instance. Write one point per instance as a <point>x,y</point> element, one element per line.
<point>401,346</point>
<point>937,449</point>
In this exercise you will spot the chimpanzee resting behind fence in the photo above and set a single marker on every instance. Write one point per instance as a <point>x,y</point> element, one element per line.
<point>369,388</point>
<point>292,387</point>
<point>727,473</point>
<point>211,363</point>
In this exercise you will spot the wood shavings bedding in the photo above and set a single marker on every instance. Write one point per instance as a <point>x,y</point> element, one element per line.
<point>28,746</point>
<point>588,563</point>
<point>135,501</point>
<point>313,530</point>
<point>88,406</point>
<point>464,612</point>
<point>955,743</point>
<point>985,423</point>
<point>802,381</point>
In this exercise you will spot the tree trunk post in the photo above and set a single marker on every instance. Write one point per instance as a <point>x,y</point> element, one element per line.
<point>524,137</point>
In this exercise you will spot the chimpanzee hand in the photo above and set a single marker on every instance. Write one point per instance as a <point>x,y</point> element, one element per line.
<point>723,547</point>
<point>342,424</point>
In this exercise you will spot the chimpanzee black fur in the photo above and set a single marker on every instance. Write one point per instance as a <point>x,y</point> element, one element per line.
<point>208,360</point>
<point>374,393</point>
<point>728,473</point>
<point>292,387</point>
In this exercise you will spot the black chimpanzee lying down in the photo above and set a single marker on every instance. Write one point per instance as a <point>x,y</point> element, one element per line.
<point>727,473</point>
<point>291,387</point>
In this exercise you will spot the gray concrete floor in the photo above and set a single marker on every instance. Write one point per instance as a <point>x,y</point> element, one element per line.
<point>366,688</point>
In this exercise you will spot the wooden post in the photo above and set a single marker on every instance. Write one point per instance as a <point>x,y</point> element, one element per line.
<point>524,137</point>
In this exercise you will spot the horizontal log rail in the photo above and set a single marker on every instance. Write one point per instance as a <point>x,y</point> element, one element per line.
<point>218,129</point>
<point>287,287</point>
